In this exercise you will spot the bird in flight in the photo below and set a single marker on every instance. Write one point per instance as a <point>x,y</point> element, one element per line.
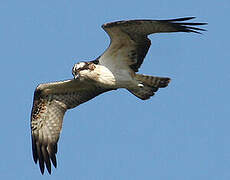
<point>116,68</point>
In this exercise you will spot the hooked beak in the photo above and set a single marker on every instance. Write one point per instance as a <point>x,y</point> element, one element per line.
<point>77,75</point>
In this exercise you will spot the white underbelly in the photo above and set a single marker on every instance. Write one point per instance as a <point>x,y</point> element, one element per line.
<point>119,78</point>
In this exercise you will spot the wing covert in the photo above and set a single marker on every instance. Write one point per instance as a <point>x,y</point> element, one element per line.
<point>129,39</point>
<point>51,101</point>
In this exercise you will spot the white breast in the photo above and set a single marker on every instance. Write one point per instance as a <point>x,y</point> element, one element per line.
<point>117,77</point>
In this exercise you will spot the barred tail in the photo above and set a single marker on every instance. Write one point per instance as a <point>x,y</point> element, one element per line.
<point>148,85</point>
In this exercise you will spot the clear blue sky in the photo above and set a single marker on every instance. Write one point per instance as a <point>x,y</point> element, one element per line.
<point>180,134</point>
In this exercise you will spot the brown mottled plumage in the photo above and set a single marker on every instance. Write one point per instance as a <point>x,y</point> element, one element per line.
<point>115,68</point>
<point>50,104</point>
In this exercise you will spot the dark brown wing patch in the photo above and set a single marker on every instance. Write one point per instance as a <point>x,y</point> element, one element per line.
<point>46,123</point>
<point>133,34</point>
<point>139,54</point>
<point>50,104</point>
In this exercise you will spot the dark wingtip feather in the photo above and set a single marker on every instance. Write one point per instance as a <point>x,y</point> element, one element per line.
<point>49,169</point>
<point>41,165</point>
<point>191,29</point>
<point>54,161</point>
<point>44,155</point>
<point>185,26</point>
<point>34,150</point>
<point>180,19</point>
<point>35,158</point>
<point>40,158</point>
<point>46,158</point>
<point>52,150</point>
<point>193,24</point>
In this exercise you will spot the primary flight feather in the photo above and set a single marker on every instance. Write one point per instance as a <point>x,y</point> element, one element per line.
<point>116,68</point>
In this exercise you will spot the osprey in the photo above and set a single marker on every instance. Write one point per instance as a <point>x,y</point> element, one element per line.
<point>116,68</point>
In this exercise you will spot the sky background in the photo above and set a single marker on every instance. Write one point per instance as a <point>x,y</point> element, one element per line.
<point>182,133</point>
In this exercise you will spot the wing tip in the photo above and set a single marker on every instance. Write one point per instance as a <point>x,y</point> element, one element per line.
<point>185,26</point>
<point>176,21</point>
<point>180,19</point>
<point>43,155</point>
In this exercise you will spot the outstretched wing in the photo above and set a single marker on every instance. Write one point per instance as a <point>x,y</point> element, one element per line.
<point>129,42</point>
<point>50,104</point>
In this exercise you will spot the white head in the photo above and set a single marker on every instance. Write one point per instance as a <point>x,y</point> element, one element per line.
<point>77,68</point>
<point>81,66</point>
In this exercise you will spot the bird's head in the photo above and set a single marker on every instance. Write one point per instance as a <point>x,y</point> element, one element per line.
<point>80,67</point>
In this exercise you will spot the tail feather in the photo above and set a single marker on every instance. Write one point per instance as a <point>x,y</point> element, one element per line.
<point>148,85</point>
